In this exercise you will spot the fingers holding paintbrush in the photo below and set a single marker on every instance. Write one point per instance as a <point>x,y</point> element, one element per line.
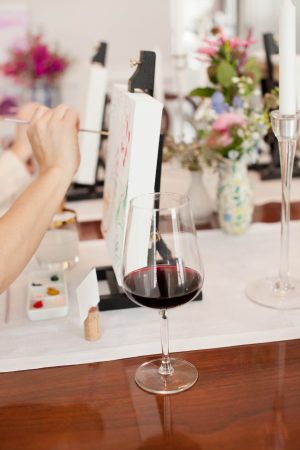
<point>20,121</point>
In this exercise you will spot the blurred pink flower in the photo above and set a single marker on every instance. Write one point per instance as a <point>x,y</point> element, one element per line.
<point>249,40</point>
<point>227,120</point>
<point>235,42</point>
<point>209,51</point>
<point>222,37</point>
<point>216,139</point>
<point>35,61</point>
<point>213,45</point>
<point>211,42</point>
<point>224,139</point>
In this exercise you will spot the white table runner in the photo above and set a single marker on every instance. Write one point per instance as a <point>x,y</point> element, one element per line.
<point>224,318</point>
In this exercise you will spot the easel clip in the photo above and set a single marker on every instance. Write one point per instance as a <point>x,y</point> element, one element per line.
<point>143,77</point>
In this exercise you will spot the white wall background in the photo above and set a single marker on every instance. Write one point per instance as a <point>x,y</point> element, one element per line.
<point>129,26</point>
<point>77,26</point>
<point>262,16</point>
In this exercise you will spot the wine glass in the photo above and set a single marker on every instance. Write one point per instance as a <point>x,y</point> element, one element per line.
<point>162,269</point>
<point>59,247</point>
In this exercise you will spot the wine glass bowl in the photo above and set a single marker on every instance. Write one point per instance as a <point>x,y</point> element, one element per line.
<point>162,269</point>
<point>162,286</point>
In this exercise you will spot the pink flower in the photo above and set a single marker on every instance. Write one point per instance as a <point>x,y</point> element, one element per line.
<point>227,120</point>
<point>211,42</point>
<point>225,139</point>
<point>216,139</point>
<point>249,41</point>
<point>209,51</point>
<point>34,61</point>
<point>222,37</point>
<point>235,42</point>
<point>39,53</point>
<point>40,69</point>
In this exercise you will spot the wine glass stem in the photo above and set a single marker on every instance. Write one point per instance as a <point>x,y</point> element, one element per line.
<point>166,366</point>
<point>287,151</point>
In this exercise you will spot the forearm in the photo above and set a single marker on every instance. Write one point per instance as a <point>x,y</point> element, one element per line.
<point>23,227</point>
<point>13,175</point>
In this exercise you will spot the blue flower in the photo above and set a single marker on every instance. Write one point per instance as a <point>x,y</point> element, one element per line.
<point>218,103</point>
<point>237,102</point>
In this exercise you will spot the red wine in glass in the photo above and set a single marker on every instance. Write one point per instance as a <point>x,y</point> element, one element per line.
<point>163,286</point>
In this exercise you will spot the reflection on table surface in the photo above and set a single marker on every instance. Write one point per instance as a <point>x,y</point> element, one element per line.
<point>246,398</point>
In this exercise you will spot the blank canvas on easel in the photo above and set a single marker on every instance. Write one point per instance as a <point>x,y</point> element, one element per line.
<point>92,102</point>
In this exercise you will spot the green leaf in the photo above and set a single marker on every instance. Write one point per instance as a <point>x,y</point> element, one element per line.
<point>212,72</point>
<point>227,49</point>
<point>251,68</point>
<point>202,92</point>
<point>225,73</point>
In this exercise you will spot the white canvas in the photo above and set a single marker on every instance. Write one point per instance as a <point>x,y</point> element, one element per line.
<point>94,82</point>
<point>135,122</point>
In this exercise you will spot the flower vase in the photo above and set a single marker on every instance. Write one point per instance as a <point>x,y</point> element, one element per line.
<point>234,197</point>
<point>47,94</point>
<point>199,198</point>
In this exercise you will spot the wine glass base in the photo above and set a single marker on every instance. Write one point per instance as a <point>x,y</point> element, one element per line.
<point>149,379</point>
<point>265,293</point>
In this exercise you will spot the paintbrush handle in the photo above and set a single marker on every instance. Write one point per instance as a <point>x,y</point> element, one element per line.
<point>27,122</point>
<point>102,132</point>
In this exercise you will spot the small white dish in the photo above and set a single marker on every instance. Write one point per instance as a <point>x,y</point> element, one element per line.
<point>42,300</point>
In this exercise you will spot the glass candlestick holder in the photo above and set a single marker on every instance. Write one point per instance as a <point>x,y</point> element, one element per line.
<point>282,292</point>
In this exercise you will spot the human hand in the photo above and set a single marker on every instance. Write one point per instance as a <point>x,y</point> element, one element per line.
<point>53,136</point>
<point>21,146</point>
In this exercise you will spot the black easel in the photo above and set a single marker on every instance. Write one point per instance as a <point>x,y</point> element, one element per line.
<point>100,55</point>
<point>144,76</point>
<point>141,81</point>
<point>91,191</point>
<point>271,48</point>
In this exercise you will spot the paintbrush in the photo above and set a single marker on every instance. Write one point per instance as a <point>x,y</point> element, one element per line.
<point>27,122</point>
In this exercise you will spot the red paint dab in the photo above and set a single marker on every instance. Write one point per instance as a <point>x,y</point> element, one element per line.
<point>38,304</point>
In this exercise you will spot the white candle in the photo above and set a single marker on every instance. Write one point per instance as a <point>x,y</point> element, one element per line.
<point>287,57</point>
<point>177,27</point>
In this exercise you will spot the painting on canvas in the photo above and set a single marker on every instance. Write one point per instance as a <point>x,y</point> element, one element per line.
<point>135,122</point>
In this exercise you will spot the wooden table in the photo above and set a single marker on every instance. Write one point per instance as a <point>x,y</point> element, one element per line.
<point>246,397</point>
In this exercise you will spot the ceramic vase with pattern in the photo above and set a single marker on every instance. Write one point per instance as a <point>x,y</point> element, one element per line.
<point>234,197</point>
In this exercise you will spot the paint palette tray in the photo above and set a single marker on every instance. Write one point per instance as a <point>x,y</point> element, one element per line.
<point>47,295</point>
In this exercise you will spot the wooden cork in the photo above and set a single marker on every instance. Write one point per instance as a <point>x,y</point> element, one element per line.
<point>92,325</point>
